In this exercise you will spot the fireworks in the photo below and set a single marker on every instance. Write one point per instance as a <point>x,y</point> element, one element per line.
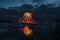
<point>27,15</point>
<point>26,19</point>
<point>27,31</point>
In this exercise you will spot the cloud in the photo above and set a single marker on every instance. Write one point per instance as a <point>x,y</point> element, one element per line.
<point>11,3</point>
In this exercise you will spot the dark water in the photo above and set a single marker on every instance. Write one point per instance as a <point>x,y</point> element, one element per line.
<point>47,27</point>
<point>9,31</point>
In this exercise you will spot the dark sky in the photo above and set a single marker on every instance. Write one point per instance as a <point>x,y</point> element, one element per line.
<point>8,3</point>
<point>12,3</point>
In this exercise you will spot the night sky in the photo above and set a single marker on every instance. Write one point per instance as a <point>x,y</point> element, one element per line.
<point>12,3</point>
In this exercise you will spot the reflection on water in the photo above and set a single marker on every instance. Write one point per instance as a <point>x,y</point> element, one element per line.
<point>39,32</point>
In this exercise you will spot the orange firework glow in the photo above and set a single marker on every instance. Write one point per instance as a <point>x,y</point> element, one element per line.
<point>27,18</point>
<point>27,31</point>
